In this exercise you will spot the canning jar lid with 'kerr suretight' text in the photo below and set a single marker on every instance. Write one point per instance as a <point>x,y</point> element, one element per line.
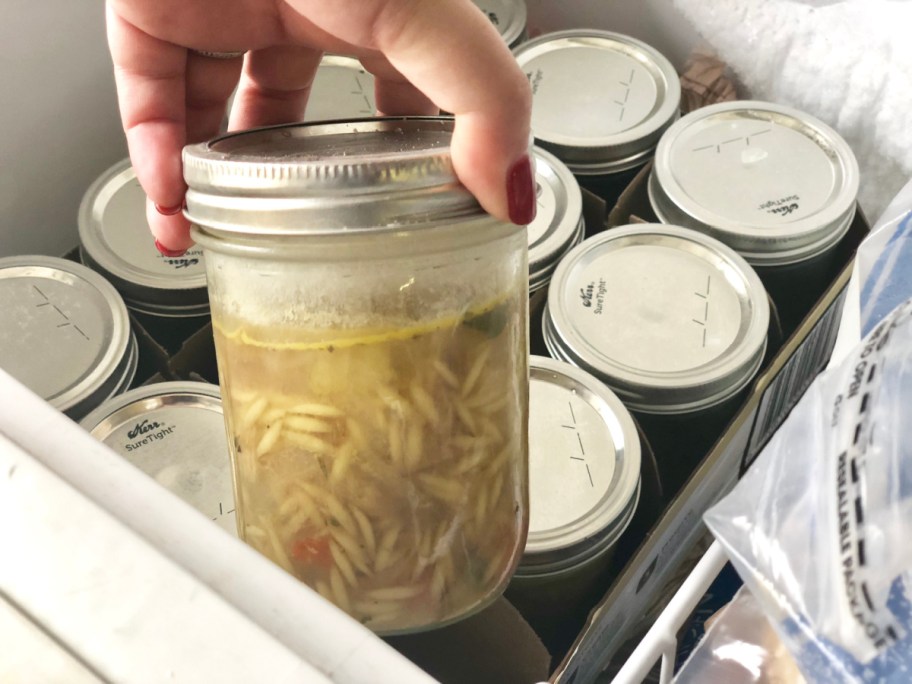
<point>508,17</point>
<point>175,433</point>
<point>773,183</point>
<point>601,100</point>
<point>114,239</point>
<point>64,332</point>
<point>584,469</point>
<point>342,89</point>
<point>672,320</point>
<point>558,225</point>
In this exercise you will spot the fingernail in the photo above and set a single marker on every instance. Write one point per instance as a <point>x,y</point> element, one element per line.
<point>521,191</point>
<point>169,252</point>
<point>169,211</point>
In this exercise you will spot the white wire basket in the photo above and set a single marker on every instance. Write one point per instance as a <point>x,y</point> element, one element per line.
<point>660,642</point>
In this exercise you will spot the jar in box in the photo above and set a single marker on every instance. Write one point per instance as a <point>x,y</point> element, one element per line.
<point>370,325</point>
<point>64,333</point>
<point>175,433</point>
<point>584,482</point>
<point>342,89</point>
<point>558,226</point>
<point>601,101</point>
<point>673,321</point>
<point>775,184</point>
<point>166,294</point>
<point>508,17</point>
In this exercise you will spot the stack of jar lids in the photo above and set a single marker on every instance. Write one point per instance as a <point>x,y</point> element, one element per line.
<point>775,184</point>
<point>508,17</point>
<point>601,100</point>
<point>584,468</point>
<point>558,224</point>
<point>115,240</point>
<point>64,333</point>
<point>175,433</point>
<point>342,89</point>
<point>670,319</point>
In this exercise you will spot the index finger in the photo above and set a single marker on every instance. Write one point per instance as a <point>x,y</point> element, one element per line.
<point>450,51</point>
<point>150,76</point>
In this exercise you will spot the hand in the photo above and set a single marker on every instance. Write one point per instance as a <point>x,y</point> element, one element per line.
<point>424,55</point>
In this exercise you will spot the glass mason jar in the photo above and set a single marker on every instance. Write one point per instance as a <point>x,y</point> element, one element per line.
<point>371,332</point>
<point>673,322</point>
<point>600,103</point>
<point>584,474</point>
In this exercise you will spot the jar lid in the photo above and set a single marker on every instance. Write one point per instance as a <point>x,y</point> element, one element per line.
<point>584,467</point>
<point>558,225</point>
<point>64,332</point>
<point>175,433</point>
<point>342,89</point>
<point>670,319</point>
<point>601,100</point>
<point>773,183</point>
<point>370,175</point>
<point>508,17</point>
<point>114,240</point>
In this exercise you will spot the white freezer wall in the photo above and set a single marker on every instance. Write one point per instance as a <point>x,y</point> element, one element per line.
<point>59,125</point>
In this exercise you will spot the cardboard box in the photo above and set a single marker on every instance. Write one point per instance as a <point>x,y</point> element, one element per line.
<point>497,645</point>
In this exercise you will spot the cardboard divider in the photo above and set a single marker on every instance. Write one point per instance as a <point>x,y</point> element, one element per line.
<point>153,359</point>
<point>196,357</point>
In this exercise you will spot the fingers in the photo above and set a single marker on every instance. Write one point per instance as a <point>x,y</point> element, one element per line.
<point>209,84</point>
<point>450,51</point>
<point>151,90</point>
<point>274,86</point>
<point>393,93</point>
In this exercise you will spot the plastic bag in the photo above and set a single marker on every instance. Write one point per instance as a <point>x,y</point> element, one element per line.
<point>740,647</point>
<point>820,527</point>
<point>884,262</point>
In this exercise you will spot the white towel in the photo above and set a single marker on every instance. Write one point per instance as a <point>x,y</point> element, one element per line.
<point>848,62</point>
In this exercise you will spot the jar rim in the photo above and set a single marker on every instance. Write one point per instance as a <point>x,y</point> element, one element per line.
<point>373,175</point>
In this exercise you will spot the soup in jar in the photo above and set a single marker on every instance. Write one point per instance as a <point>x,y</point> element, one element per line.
<point>384,467</point>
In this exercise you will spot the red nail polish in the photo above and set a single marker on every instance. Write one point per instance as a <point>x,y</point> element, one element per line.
<point>169,252</point>
<point>169,211</point>
<point>521,191</point>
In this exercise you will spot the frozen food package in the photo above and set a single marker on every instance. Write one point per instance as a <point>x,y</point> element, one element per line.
<point>818,528</point>
<point>740,647</point>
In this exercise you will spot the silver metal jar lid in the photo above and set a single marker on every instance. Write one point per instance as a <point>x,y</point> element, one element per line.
<point>342,89</point>
<point>371,175</point>
<point>558,225</point>
<point>773,183</point>
<point>584,467</point>
<point>64,332</point>
<point>508,17</point>
<point>115,240</point>
<point>601,100</point>
<point>670,319</point>
<point>175,433</point>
